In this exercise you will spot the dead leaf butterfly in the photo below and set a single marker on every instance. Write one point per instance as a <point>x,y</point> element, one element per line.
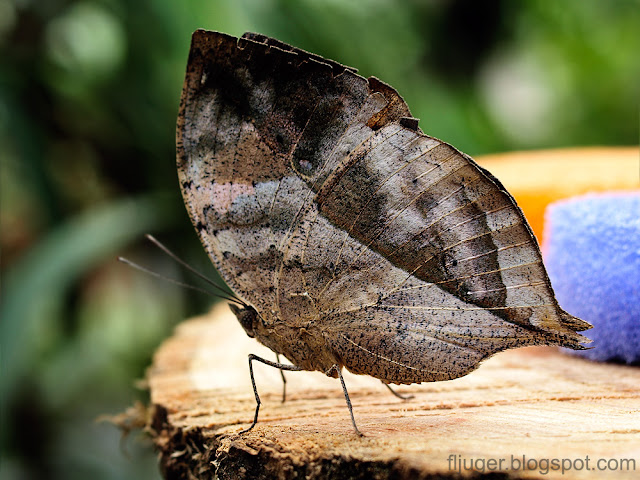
<point>350,238</point>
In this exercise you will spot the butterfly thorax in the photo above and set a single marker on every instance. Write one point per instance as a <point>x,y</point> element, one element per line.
<point>303,344</point>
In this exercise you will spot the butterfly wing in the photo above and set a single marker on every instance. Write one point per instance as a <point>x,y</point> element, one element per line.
<point>434,267</point>
<point>325,208</point>
<point>245,108</point>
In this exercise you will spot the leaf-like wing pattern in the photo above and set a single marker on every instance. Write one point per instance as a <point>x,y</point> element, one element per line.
<point>359,240</point>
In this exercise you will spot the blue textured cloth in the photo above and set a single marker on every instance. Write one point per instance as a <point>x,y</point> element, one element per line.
<point>592,254</point>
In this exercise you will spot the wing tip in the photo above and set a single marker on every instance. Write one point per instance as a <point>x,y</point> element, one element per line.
<point>574,324</point>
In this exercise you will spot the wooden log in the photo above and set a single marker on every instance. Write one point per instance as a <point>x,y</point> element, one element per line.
<point>535,402</point>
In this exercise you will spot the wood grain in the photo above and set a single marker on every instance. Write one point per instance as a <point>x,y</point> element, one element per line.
<point>536,401</point>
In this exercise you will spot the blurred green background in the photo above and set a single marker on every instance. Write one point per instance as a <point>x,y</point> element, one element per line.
<point>89,93</point>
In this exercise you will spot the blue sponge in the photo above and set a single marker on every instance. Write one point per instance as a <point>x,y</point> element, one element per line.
<point>592,254</point>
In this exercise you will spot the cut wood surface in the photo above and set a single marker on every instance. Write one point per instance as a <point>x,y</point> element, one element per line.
<point>534,402</point>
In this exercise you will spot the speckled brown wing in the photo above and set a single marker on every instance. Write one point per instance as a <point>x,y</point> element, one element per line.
<point>359,240</point>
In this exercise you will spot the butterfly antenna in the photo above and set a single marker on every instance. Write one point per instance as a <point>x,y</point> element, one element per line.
<point>166,250</point>
<point>176,282</point>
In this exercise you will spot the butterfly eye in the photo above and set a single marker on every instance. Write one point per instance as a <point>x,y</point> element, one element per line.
<point>247,316</point>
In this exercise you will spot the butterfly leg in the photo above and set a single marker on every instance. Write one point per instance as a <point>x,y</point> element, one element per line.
<point>399,395</point>
<point>346,396</point>
<point>284,380</point>
<point>281,366</point>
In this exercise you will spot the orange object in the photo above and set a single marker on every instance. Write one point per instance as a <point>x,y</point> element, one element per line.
<point>537,178</point>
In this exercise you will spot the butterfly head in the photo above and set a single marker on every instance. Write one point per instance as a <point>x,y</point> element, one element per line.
<point>248,318</point>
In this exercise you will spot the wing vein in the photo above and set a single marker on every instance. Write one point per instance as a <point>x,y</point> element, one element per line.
<point>391,360</point>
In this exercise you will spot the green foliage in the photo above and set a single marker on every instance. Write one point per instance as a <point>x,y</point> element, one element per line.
<point>89,91</point>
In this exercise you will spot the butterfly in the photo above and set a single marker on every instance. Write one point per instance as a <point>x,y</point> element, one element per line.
<point>351,239</point>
